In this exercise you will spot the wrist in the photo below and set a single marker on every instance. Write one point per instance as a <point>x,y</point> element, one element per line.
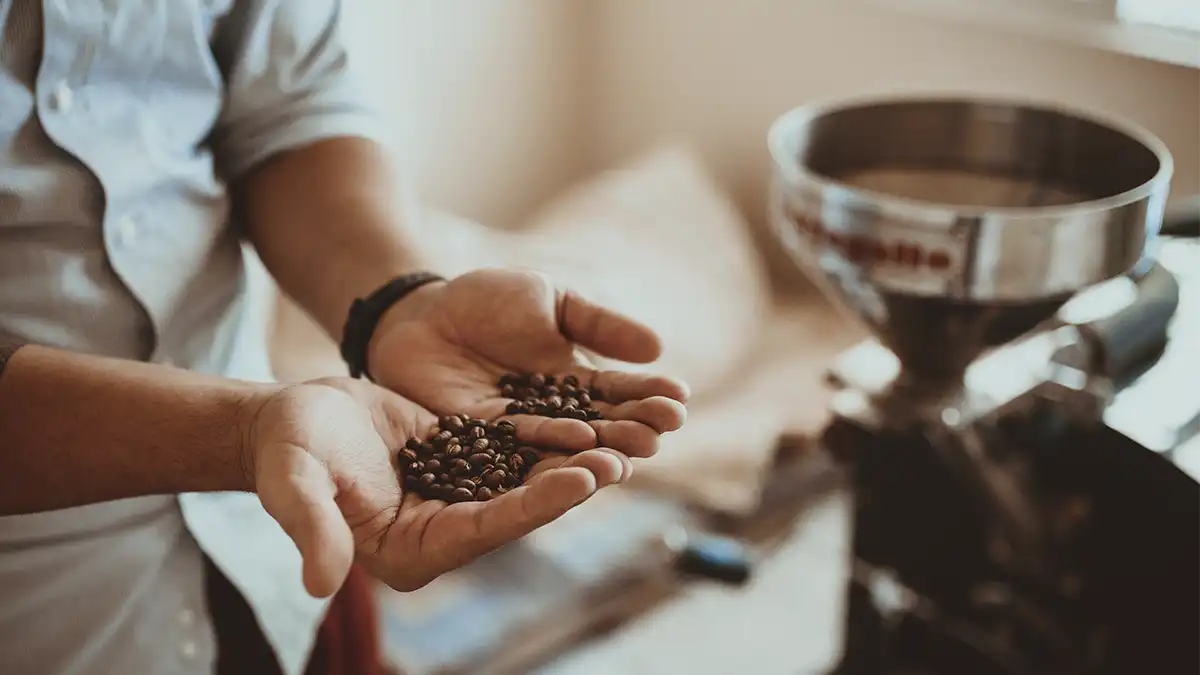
<point>412,306</point>
<point>250,403</point>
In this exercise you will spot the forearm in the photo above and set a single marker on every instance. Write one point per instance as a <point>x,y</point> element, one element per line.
<point>329,222</point>
<point>78,430</point>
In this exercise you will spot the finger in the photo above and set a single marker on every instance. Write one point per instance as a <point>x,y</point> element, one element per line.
<point>597,460</point>
<point>659,413</point>
<point>617,386</point>
<point>605,331</point>
<point>486,526</point>
<point>519,512</point>
<point>550,432</point>
<point>298,492</point>
<point>545,497</point>
<point>634,439</point>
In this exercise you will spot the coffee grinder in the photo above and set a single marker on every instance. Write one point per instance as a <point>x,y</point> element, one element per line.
<point>1005,256</point>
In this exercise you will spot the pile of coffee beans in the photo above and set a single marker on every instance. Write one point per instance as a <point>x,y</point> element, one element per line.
<point>466,460</point>
<point>470,459</point>
<point>538,394</point>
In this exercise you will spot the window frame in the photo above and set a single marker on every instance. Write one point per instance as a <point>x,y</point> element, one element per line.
<point>1088,23</point>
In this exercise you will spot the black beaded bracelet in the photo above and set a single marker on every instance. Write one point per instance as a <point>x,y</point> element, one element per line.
<point>365,314</point>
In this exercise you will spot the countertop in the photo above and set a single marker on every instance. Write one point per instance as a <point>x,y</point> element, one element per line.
<point>786,621</point>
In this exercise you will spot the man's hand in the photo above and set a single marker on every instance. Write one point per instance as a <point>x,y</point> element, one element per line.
<point>331,225</point>
<point>447,345</point>
<point>320,456</point>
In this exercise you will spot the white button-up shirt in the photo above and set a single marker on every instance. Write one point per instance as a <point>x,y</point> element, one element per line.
<point>120,120</point>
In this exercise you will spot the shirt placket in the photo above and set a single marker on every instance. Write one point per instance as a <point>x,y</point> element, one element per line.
<point>72,30</point>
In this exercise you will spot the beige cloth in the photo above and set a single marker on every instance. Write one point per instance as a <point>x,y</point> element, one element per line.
<point>721,457</point>
<point>657,240</point>
<point>661,242</point>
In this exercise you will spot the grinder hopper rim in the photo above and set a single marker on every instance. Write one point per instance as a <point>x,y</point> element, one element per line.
<point>948,225</point>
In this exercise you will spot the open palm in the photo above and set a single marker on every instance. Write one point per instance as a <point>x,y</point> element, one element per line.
<point>493,322</point>
<point>323,459</point>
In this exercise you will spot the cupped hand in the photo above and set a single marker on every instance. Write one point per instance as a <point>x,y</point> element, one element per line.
<point>447,347</point>
<point>322,459</point>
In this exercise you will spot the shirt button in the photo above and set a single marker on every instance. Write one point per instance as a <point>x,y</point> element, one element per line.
<point>62,98</point>
<point>188,650</point>
<point>127,232</point>
<point>186,616</point>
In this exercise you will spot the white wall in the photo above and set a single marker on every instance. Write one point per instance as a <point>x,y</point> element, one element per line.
<point>499,103</point>
<point>483,93</point>
<point>719,71</point>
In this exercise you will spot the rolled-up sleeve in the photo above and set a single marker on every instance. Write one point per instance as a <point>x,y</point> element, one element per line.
<point>289,82</point>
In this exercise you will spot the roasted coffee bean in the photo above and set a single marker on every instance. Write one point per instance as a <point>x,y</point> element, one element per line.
<point>539,394</point>
<point>507,391</point>
<point>530,455</point>
<point>478,456</point>
<point>517,463</point>
<point>462,495</point>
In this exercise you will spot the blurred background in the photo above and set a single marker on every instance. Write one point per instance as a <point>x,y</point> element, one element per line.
<point>622,145</point>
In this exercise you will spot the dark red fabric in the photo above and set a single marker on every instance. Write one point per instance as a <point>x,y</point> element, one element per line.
<point>347,641</point>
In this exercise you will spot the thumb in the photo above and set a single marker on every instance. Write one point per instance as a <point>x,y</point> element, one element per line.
<point>298,492</point>
<point>605,331</point>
